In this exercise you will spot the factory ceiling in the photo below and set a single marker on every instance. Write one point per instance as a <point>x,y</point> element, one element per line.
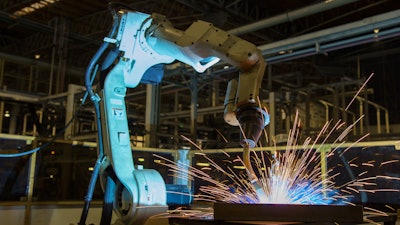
<point>64,34</point>
<point>83,24</point>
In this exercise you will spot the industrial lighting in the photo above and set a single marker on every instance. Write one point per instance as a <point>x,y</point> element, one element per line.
<point>376,35</point>
<point>7,113</point>
<point>202,164</point>
<point>239,167</point>
<point>90,168</point>
<point>37,56</point>
<point>157,161</point>
<point>33,7</point>
<point>285,52</point>
<point>140,159</point>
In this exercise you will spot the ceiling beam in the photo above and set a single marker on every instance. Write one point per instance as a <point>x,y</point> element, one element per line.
<point>290,16</point>
<point>339,37</point>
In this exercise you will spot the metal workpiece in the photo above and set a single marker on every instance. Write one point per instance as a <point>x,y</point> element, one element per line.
<point>282,214</point>
<point>288,213</point>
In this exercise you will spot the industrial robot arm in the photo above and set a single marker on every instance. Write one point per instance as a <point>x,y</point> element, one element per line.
<point>202,45</point>
<point>144,41</point>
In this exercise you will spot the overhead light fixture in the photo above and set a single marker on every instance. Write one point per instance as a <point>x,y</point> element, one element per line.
<point>239,167</point>
<point>202,164</point>
<point>285,51</point>
<point>33,7</point>
<point>376,34</point>
<point>7,113</point>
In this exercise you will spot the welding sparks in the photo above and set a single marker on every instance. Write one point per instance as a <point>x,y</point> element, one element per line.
<point>292,176</point>
<point>358,92</point>
<point>295,177</point>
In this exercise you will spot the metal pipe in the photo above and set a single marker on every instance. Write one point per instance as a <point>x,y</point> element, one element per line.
<point>151,114</point>
<point>176,127</point>
<point>19,96</point>
<point>31,180</point>
<point>378,114</point>
<point>1,115</point>
<point>272,116</point>
<point>334,33</point>
<point>69,111</point>
<point>290,16</point>
<point>328,104</point>
<point>378,120</point>
<point>30,80</point>
<point>31,183</point>
<point>12,127</point>
<point>29,61</point>
<point>367,38</point>
<point>324,168</point>
<point>387,121</point>
<point>1,102</point>
<point>193,105</point>
<point>53,56</point>
<point>361,111</point>
<point>1,71</point>
<point>25,123</point>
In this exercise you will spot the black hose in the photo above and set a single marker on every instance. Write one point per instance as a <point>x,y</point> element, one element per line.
<point>95,99</point>
<point>106,214</point>
<point>88,78</point>
<point>89,194</point>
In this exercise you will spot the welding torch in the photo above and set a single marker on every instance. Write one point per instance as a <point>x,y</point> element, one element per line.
<point>243,110</point>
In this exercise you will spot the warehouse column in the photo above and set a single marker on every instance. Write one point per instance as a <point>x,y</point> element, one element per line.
<point>69,111</point>
<point>193,106</point>
<point>152,114</point>
<point>1,86</point>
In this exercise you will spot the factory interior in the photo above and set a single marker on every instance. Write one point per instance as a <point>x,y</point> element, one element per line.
<point>142,134</point>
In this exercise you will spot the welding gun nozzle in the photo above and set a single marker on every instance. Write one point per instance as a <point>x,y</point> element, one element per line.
<point>252,120</point>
